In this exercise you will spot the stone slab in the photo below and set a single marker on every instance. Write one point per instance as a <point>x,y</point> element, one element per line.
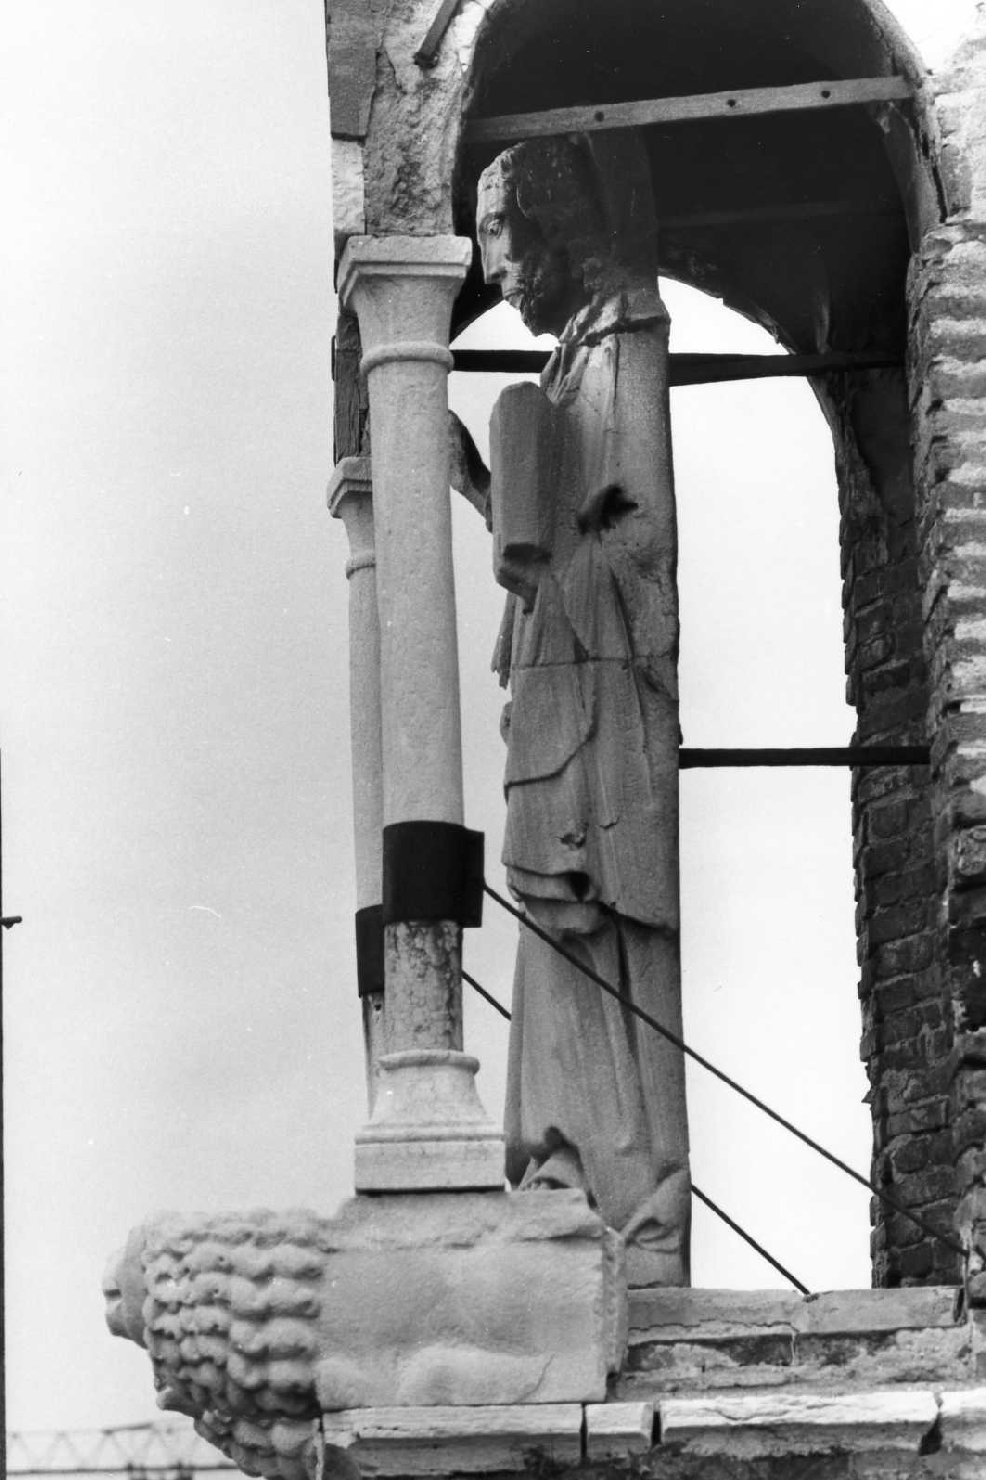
<point>717,1315</point>
<point>693,1315</point>
<point>446,1441</point>
<point>614,1431</point>
<point>760,1425</point>
<point>963,1422</point>
<point>779,1357</point>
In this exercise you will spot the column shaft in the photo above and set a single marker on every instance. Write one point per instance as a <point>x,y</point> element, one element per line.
<point>350,499</point>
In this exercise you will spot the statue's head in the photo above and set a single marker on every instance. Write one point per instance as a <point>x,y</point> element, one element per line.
<point>524,199</point>
<point>560,219</point>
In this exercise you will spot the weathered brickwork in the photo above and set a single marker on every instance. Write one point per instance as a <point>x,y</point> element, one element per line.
<point>906,1033</point>
<point>948,398</point>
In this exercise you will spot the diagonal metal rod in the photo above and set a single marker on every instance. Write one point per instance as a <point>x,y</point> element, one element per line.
<point>487,996</point>
<point>943,1238</point>
<point>749,1239</point>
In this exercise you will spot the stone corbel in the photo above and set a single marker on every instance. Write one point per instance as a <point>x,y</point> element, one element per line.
<point>258,1324</point>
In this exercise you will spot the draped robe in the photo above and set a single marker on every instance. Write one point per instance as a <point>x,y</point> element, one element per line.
<point>585,537</point>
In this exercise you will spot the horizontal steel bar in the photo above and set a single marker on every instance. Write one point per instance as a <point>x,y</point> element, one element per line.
<point>686,369</point>
<point>716,369</point>
<point>850,755</point>
<point>741,103</point>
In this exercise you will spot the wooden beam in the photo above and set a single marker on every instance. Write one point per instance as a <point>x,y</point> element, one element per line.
<point>850,755</point>
<point>743,103</point>
<point>685,369</point>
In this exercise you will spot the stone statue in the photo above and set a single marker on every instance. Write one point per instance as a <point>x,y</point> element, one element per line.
<point>581,504</point>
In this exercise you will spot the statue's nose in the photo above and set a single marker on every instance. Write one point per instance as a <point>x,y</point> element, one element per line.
<point>494,262</point>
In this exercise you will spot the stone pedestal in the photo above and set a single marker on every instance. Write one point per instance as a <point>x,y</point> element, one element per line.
<point>402,290</point>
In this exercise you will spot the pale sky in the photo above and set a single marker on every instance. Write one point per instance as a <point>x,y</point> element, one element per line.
<point>181,1021</point>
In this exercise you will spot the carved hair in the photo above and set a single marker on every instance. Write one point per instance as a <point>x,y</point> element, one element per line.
<point>588,195</point>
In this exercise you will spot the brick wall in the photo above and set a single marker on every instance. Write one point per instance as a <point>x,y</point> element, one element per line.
<point>948,398</point>
<point>906,1035</point>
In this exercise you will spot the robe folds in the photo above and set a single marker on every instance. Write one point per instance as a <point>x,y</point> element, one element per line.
<point>585,540</point>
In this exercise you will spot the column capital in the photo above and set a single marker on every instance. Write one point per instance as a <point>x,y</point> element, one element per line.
<point>395,257</point>
<point>351,479</point>
<point>350,498</point>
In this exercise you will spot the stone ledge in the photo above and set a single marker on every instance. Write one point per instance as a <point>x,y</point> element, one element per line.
<point>715,1315</point>
<point>692,1341</point>
<point>444,1441</point>
<point>903,1431</point>
<point>760,1425</point>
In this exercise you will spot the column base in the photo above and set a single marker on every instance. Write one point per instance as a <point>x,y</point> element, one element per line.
<point>428,1130</point>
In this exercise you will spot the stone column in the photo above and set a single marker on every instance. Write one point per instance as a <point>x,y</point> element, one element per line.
<point>428,1129</point>
<point>350,499</point>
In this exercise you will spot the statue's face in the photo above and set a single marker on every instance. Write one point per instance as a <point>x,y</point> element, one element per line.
<point>531,276</point>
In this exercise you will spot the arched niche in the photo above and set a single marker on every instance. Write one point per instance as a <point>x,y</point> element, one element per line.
<point>855,230</point>
<point>805,222</point>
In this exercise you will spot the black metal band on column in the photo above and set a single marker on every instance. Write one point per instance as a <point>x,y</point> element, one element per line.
<point>432,871</point>
<point>369,949</point>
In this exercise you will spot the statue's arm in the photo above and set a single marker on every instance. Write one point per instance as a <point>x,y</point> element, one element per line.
<point>468,474</point>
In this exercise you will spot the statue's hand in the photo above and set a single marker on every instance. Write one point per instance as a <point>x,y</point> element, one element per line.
<point>602,508</point>
<point>467,473</point>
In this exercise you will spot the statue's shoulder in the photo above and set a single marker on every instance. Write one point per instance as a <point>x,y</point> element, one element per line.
<point>626,311</point>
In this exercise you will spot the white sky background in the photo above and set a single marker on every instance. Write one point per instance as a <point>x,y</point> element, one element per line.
<point>181,1021</point>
